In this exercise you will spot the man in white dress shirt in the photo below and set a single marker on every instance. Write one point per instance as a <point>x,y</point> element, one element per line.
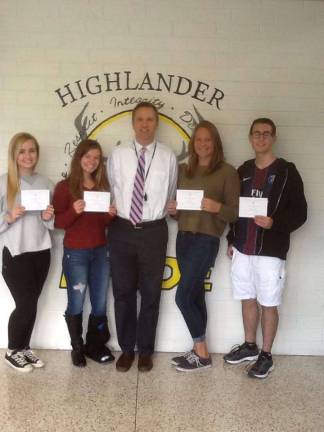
<point>143,177</point>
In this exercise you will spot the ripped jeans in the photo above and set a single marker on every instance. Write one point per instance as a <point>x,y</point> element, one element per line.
<point>86,268</point>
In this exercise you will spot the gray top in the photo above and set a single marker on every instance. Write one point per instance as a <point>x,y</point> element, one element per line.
<point>28,233</point>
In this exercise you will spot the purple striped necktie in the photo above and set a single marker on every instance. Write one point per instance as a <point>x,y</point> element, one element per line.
<point>136,210</point>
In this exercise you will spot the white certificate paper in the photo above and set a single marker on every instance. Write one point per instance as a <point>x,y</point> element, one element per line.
<point>96,201</point>
<point>189,199</point>
<point>251,207</point>
<point>37,199</point>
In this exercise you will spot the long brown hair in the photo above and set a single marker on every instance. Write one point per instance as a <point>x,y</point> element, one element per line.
<point>75,177</point>
<point>218,153</point>
<point>15,145</point>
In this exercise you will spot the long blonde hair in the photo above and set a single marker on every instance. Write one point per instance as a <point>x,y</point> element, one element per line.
<point>15,145</point>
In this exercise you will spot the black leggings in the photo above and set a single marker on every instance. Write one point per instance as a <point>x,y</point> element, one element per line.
<point>25,276</point>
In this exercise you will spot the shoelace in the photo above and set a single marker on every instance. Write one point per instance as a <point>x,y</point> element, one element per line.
<point>188,354</point>
<point>30,355</point>
<point>236,348</point>
<point>193,358</point>
<point>19,358</point>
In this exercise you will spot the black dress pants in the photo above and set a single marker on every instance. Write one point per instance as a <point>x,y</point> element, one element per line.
<point>137,257</point>
<point>25,276</point>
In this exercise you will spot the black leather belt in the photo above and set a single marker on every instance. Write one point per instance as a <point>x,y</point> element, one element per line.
<point>141,225</point>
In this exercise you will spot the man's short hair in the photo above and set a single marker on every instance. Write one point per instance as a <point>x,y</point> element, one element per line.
<point>264,120</point>
<point>145,105</point>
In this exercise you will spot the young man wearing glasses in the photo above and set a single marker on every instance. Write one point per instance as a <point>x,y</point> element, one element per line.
<point>258,246</point>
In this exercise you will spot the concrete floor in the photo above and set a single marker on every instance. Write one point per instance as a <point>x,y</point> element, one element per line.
<point>61,397</point>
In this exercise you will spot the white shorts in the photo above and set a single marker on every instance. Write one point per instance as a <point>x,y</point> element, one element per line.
<point>258,277</point>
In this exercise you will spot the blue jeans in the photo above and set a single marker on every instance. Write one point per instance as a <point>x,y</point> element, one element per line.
<point>196,253</point>
<point>87,268</point>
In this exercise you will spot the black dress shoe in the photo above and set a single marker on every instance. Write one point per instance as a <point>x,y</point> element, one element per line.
<point>145,363</point>
<point>125,361</point>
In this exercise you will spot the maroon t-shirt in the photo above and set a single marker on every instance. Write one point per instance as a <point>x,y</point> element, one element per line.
<point>260,188</point>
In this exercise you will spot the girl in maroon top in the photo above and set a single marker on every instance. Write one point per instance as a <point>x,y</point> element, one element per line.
<point>85,259</point>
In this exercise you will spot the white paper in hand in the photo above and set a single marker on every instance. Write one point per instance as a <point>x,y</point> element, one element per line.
<point>188,199</point>
<point>96,201</point>
<point>37,199</point>
<point>251,207</point>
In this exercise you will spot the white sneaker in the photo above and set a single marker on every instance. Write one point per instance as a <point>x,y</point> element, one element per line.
<point>32,359</point>
<point>17,360</point>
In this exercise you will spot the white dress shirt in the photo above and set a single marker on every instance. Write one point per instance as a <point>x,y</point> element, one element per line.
<point>161,173</point>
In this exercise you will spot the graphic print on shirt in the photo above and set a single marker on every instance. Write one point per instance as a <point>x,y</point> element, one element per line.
<point>259,187</point>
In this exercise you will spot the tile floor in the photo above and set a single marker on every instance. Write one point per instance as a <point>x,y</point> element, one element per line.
<point>61,397</point>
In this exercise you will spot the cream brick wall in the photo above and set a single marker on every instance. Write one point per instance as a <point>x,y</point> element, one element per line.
<point>265,55</point>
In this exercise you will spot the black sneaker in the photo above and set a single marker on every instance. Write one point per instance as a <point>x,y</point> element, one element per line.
<point>241,353</point>
<point>262,367</point>
<point>17,360</point>
<point>175,361</point>
<point>32,358</point>
<point>194,363</point>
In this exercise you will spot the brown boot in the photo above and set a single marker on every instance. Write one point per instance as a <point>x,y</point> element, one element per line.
<point>125,361</point>
<point>145,363</point>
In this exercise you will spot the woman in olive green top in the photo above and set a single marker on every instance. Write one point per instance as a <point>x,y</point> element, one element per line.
<point>199,233</point>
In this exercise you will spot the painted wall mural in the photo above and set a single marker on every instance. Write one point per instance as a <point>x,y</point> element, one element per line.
<point>109,120</point>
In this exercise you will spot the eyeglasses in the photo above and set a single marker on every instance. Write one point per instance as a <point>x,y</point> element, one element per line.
<point>258,135</point>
